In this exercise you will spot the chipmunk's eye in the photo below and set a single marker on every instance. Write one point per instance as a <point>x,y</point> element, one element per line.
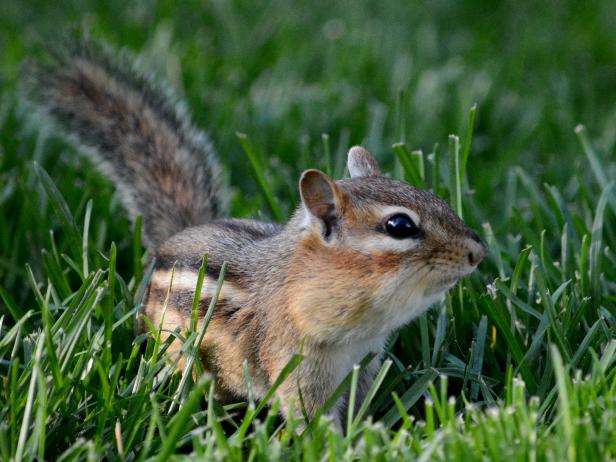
<point>400,226</point>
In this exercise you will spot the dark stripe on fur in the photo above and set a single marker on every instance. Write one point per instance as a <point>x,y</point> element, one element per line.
<point>167,262</point>
<point>182,300</point>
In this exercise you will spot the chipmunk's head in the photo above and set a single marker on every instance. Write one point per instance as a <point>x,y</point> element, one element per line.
<point>377,249</point>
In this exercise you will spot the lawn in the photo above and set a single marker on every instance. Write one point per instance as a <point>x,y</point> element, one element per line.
<point>505,109</point>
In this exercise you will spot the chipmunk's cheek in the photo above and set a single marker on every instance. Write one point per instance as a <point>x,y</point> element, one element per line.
<point>405,295</point>
<point>435,277</point>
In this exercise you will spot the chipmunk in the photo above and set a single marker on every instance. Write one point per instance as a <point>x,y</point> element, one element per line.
<point>359,258</point>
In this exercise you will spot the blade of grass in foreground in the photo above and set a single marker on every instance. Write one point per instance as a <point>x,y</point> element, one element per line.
<point>372,391</point>
<point>412,164</point>
<point>62,211</point>
<point>596,247</point>
<point>25,424</point>
<point>455,181</point>
<point>563,398</point>
<point>595,164</point>
<point>293,363</point>
<point>468,141</point>
<point>180,420</point>
<point>410,397</point>
<point>496,315</point>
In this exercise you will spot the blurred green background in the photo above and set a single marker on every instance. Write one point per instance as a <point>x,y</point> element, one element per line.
<point>286,72</point>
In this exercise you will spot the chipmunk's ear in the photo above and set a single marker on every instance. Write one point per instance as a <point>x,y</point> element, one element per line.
<point>321,197</point>
<point>361,163</point>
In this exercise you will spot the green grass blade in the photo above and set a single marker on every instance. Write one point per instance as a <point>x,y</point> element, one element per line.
<point>85,239</point>
<point>455,183</point>
<point>502,325</point>
<point>60,208</point>
<point>24,432</point>
<point>468,141</point>
<point>477,356</point>
<point>352,397</point>
<point>329,165</point>
<point>179,421</point>
<point>595,164</point>
<point>410,397</point>
<point>260,174</point>
<point>372,391</point>
<point>566,419</point>
<point>137,248</point>
<point>412,164</point>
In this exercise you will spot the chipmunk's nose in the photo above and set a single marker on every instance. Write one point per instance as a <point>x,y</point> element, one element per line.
<point>475,249</point>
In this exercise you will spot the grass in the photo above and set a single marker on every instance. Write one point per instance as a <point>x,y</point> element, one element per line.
<point>517,363</point>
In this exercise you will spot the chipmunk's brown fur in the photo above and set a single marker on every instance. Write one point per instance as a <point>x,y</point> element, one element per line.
<point>333,282</point>
<point>136,131</point>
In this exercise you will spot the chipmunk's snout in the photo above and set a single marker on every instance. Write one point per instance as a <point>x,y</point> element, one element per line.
<point>475,249</point>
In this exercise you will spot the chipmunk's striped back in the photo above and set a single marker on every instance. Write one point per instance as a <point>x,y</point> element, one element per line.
<point>137,132</point>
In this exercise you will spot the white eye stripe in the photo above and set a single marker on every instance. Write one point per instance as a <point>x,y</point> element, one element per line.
<point>383,243</point>
<point>391,210</point>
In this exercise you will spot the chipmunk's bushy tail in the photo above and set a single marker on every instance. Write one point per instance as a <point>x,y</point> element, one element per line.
<point>136,131</point>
